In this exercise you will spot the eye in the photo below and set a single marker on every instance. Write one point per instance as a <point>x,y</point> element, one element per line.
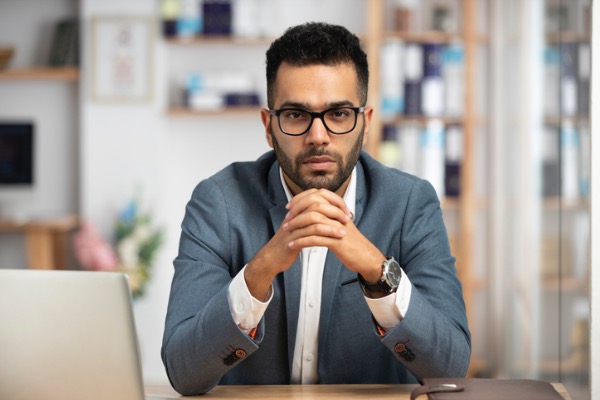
<point>294,114</point>
<point>340,113</point>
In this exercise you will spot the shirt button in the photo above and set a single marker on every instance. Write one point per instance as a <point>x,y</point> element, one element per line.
<point>312,304</point>
<point>240,307</point>
<point>309,357</point>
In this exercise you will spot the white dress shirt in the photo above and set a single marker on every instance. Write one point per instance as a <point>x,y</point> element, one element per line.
<point>247,311</point>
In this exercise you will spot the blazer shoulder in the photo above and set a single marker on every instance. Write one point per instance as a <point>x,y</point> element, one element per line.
<point>242,181</point>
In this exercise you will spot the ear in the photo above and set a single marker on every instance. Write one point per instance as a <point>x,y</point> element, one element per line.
<point>266,120</point>
<point>368,116</point>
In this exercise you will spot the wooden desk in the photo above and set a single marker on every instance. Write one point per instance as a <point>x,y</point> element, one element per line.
<point>46,239</point>
<point>306,392</point>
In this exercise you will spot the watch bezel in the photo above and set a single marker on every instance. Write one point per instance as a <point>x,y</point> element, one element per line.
<point>388,282</point>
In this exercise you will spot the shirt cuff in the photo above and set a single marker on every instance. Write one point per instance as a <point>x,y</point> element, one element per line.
<point>245,309</point>
<point>390,310</point>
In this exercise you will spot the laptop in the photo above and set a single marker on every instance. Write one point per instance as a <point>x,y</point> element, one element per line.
<point>67,335</point>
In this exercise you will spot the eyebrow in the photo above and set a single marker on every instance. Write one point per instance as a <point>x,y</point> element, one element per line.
<point>304,106</point>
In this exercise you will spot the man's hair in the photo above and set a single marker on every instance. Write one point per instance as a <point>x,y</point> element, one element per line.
<point>315,43</point>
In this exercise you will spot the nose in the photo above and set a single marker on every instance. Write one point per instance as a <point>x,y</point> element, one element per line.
<point>317,134</point>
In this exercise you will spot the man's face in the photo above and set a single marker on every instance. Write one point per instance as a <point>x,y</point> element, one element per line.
<point>317,159</point>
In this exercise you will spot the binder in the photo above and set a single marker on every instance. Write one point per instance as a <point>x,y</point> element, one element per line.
<point>488,389</point>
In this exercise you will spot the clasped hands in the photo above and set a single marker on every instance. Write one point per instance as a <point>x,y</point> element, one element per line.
<point>316,217</point>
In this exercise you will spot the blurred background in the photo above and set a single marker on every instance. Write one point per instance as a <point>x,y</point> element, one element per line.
<point>111,112</point>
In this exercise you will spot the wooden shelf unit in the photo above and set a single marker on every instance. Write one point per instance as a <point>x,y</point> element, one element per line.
<point>467,204</point>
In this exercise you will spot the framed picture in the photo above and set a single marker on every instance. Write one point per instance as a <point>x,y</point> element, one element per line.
<point>122,58</point>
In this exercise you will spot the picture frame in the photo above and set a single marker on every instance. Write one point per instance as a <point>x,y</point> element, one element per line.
<point>121,59</point>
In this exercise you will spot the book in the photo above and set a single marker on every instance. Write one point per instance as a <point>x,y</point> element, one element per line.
<point>453,160</point>
<point>392,78</point>
<point>568,79</point>
<point>569,163</point>
<point>431,155</point>
<point>64,50</point>
<point>550,162</point>
<point>584,159</point>
<point>245,17</point>
<point>551,87</point>
<point>432,84</point>
<point>408,141</point>
<point>389,149</point>
<point>413,74</point>
<point>169,12</point>
<point>189,19</point>
<point>488,389</point>
<point>217,17</point>
<point>583,79</point>
<point>234,99</point>
<point>453,73</point>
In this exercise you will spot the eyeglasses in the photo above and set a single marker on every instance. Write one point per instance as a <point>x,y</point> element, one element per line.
<point>296,121</point>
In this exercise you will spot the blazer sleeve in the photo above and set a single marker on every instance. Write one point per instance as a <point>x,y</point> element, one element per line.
<point>201,341</point>
<point>433,338</point>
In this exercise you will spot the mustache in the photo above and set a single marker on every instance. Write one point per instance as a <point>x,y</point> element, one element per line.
<point>316,152</point>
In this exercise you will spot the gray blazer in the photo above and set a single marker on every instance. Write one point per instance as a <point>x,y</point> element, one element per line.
<point>234,213</point>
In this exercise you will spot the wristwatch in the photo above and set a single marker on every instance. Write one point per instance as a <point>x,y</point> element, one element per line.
<point>389,281</point>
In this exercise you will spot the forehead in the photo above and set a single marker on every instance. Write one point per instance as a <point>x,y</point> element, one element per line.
<point>316,86</point>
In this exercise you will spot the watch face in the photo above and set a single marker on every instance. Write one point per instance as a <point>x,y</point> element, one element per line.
<point>393,273</point>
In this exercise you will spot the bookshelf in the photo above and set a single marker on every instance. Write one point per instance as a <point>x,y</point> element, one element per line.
<point>464,207</point>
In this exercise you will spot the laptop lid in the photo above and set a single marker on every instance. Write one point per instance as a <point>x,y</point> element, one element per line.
<point>67,335</point>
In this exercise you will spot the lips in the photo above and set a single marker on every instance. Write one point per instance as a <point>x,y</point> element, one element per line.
<point>319,163</point>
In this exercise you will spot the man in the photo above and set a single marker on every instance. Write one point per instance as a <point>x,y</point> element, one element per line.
<point>315,263</point>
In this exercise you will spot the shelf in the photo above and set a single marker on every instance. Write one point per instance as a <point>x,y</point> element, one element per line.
<point>41,73</point>
<point>430,37</point>
<point>567,37</point>
<point>219,40</point>
<point>420,119</point>
<point>231,111</point>
<point>556,203</point>
<point>566,284</point>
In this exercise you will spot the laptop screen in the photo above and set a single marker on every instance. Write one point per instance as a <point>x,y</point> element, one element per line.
<point>67,335</point>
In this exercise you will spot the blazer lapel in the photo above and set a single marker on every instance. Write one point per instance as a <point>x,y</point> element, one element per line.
<point>335,272</point>
<point>292,277</point>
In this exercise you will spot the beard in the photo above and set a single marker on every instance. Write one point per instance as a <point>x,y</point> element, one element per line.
<point>319,179</point>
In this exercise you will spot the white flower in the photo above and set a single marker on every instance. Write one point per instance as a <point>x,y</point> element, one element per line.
<point>141,233</point>
<point>128,250</point>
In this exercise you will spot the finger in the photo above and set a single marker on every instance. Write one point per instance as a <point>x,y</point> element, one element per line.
<point>319,200</point>
<point>316,235</point>
<point>317,214</point>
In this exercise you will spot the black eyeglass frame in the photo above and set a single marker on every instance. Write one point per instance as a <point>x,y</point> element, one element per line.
<point>320,115</point>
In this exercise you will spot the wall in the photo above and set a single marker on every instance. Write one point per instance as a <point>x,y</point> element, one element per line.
<point>55,190</point>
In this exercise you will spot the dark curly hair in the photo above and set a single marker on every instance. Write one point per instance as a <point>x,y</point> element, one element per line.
<point>315,43</point>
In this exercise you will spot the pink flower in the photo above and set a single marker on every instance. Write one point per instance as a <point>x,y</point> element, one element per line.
<point>92,251</point>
